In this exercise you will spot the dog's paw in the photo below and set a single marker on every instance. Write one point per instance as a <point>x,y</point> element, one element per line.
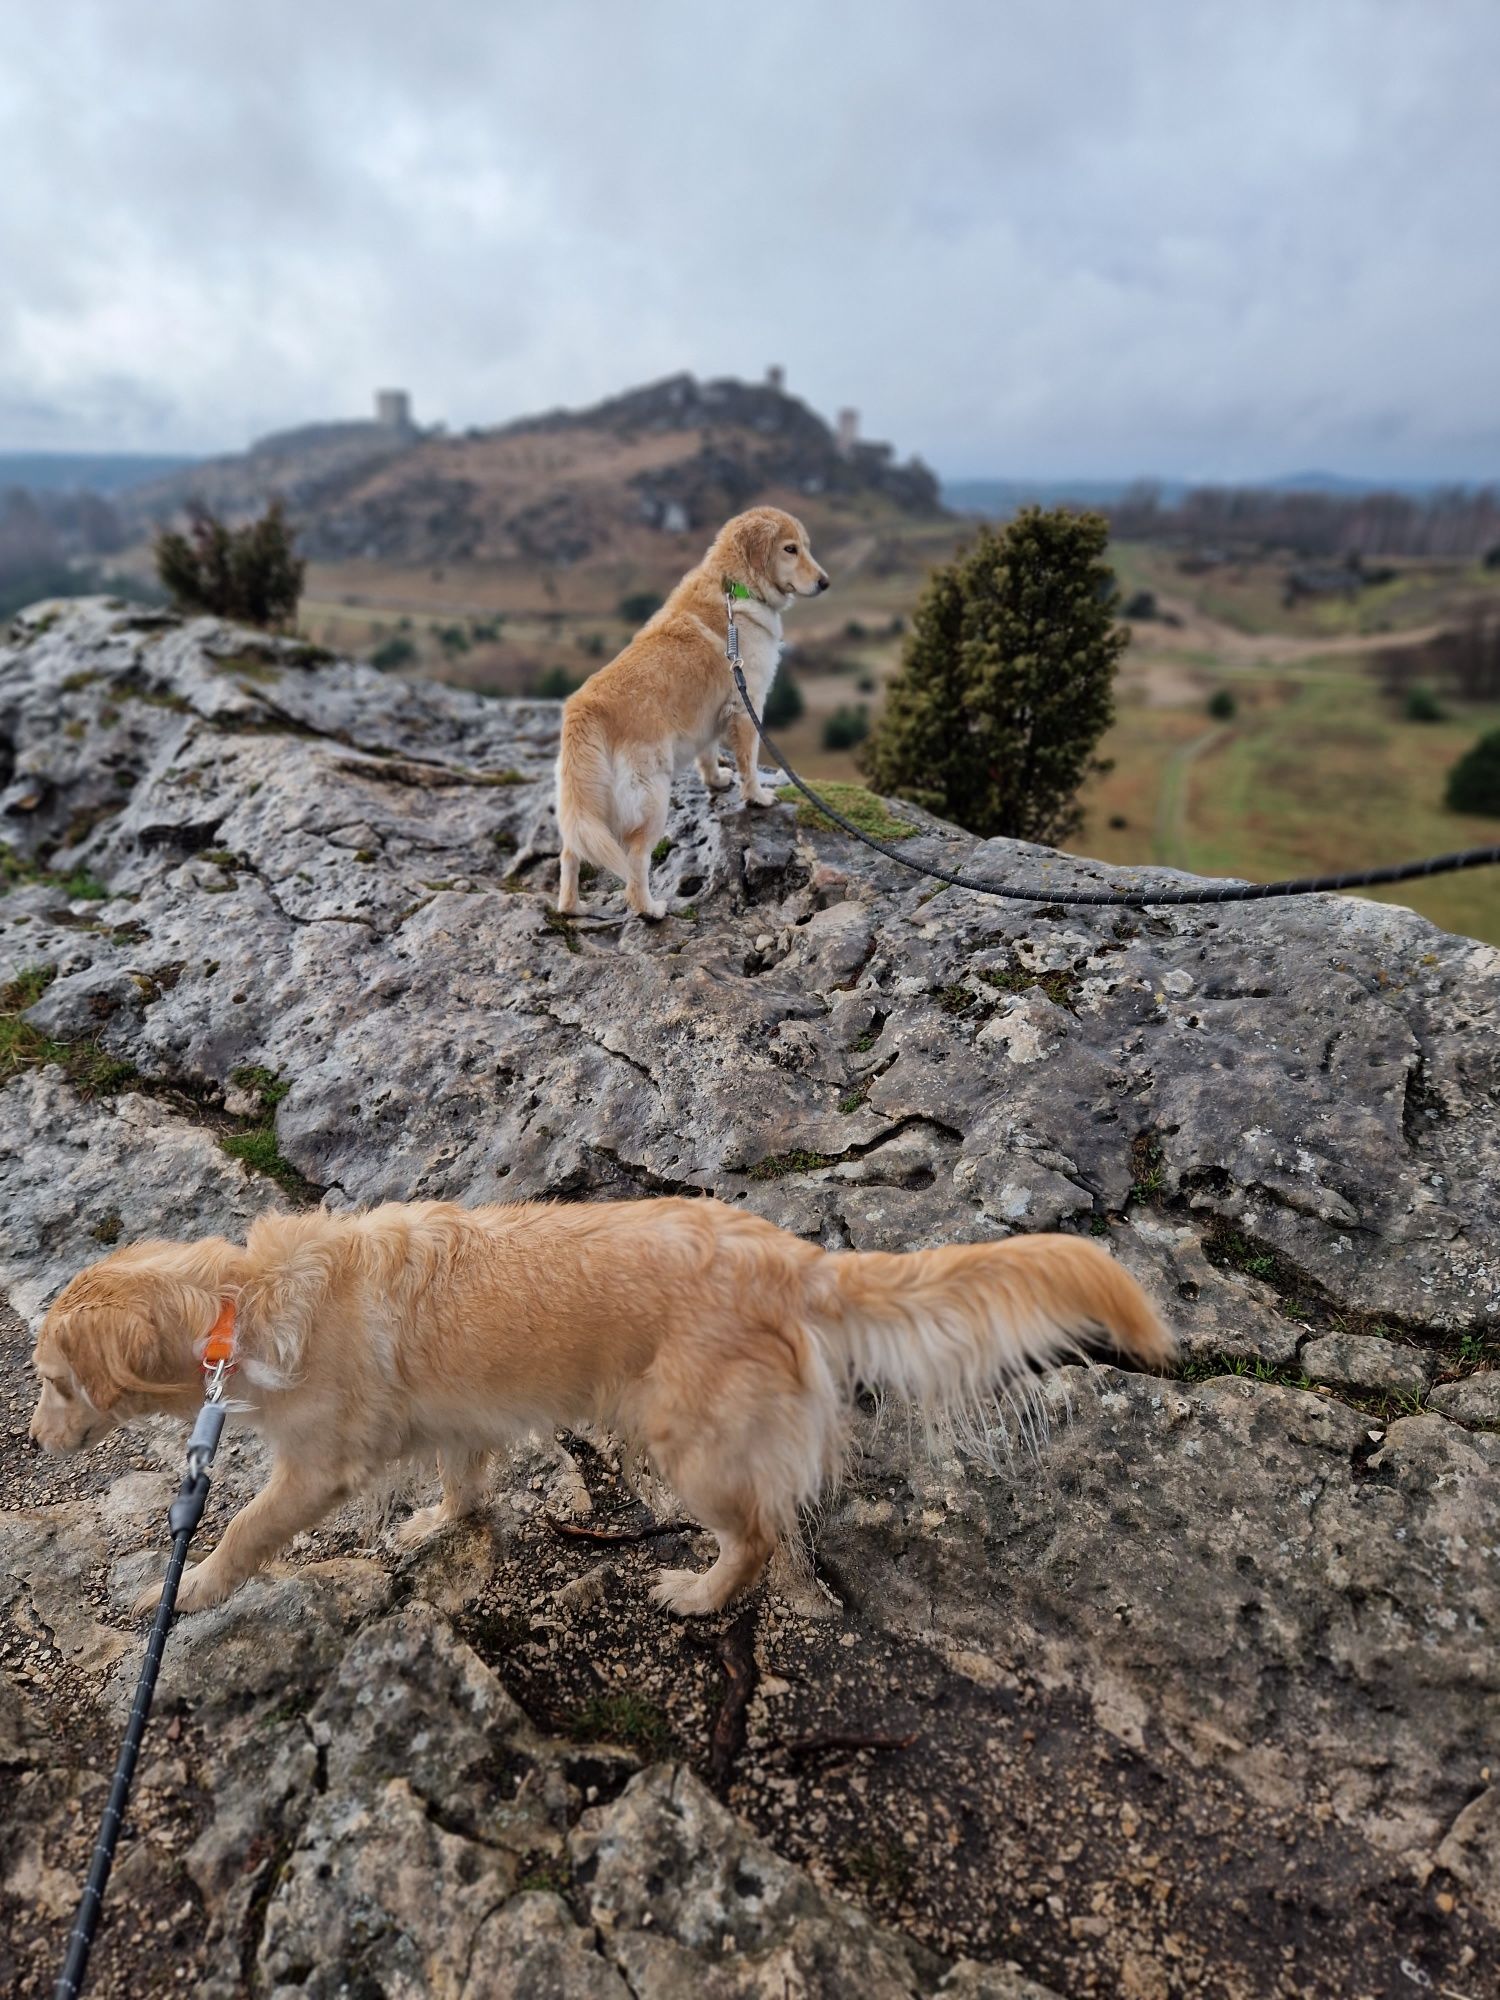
<point>653,909</point>
<point>683,1591</point>
<point>196,1592</point>
<point>760,797</point>
<point>716,777</point>
<point>147,1601</point>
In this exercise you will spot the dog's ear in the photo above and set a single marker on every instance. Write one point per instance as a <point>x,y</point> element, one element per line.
<point>113,1351</point>
<point>759,532</point>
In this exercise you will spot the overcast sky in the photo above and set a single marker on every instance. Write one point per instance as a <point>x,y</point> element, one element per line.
<point>1024,237</point>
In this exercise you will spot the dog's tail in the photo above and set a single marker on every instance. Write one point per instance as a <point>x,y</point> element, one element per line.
<point>585,795</point>
<point>951,1330</point>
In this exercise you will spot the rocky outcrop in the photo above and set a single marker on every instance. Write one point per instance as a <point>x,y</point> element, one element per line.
<point>1195,1692</point>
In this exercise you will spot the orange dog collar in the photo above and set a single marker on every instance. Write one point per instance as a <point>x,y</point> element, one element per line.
<point>220,1349</point>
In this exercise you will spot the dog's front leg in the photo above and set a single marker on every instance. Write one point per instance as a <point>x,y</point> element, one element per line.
<point>293,1498</point>
<point>463,1494</point>
<point>744,742</point>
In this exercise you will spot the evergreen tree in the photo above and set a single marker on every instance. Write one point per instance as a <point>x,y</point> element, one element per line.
<point>1474,781</point>
<point>1007,683</point>
<point>252,574</point>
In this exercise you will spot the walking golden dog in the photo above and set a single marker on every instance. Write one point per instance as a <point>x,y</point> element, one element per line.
<point>726,1348</point>
<point>669,698</point>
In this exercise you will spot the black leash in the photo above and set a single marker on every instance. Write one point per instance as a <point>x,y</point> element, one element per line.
<point>1227,892</point>
<point>183,1517</point>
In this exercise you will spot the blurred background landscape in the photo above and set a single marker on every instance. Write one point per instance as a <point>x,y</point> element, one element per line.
<point>1075,302</point>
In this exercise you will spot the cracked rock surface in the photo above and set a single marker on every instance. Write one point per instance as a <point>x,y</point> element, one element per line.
<point>1199,1693</point>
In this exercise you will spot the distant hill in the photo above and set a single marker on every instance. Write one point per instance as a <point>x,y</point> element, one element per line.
<point>672,458</point>
<point>105,472</point>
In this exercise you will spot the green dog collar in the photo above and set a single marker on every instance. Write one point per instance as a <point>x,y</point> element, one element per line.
<point>737,592</point>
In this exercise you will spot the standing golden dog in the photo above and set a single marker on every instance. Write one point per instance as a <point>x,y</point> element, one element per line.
<point>726,1348</point>
<point>669,698</point>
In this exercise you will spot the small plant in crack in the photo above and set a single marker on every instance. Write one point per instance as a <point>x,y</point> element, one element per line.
<point>1149,1166</point>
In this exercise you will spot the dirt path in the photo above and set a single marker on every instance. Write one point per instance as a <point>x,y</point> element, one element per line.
<point>1167,835</point>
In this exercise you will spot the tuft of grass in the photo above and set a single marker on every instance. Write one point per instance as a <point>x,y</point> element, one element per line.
<point>881,1867</point>
<point>258,1150</point>
<point>662,849</point>
<point>956,999</point>
<point>560,927</point>
<point>854,1099</point>
<point>91,1070</point>
<point>622,1718</point>
<point>78,885</point>
<point>859,806</point>
<point>1148,1162</point>
<point>776,1165</point>
<point>262,667</point>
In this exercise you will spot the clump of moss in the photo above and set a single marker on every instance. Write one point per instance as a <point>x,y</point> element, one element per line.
<point>1060,987</point>
<point>860,807</point>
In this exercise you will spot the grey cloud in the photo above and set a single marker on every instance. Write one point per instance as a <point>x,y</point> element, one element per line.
<point>1189,237</point>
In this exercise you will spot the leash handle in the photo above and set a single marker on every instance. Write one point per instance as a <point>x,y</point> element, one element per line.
<point>183,1516</point>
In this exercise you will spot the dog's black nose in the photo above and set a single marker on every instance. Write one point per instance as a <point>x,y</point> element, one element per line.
<point>822,583</point>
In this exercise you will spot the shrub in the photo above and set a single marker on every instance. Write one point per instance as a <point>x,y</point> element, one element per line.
<point>1007,683</point>
<point>392,653</point>
<point>554,684</point>
<point>1422,705</point>
<point>1474,781</point>
<point>846,727</point>
<point>1141,605</point>
<point>639,606</point>
<point>1221,705</point>
<point>784,703</point>
<point>252,574</point>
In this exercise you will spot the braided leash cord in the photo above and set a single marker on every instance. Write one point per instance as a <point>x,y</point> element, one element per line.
<point>1226,892</point>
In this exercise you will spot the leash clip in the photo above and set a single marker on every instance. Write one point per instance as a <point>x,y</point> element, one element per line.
<point>732,635</point>
<point>214,1380</point>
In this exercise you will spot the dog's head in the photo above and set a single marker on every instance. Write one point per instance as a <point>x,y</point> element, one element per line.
<point>769,552</point>
<point>117,1343</point>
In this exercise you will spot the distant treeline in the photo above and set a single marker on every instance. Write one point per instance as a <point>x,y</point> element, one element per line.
<point>47,541</point>
<point>1456,522</point>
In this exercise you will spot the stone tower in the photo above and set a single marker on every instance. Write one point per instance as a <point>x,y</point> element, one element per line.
<point>776,377</point>
<point>848,430</point>
<point>393,409</point>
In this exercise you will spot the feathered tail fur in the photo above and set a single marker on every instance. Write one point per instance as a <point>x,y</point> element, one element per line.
<point>953,1330</point>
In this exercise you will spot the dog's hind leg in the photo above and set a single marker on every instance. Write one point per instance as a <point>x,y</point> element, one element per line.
<point>567,883</point>
<point>639,844</point>
<point>463,1494</point>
